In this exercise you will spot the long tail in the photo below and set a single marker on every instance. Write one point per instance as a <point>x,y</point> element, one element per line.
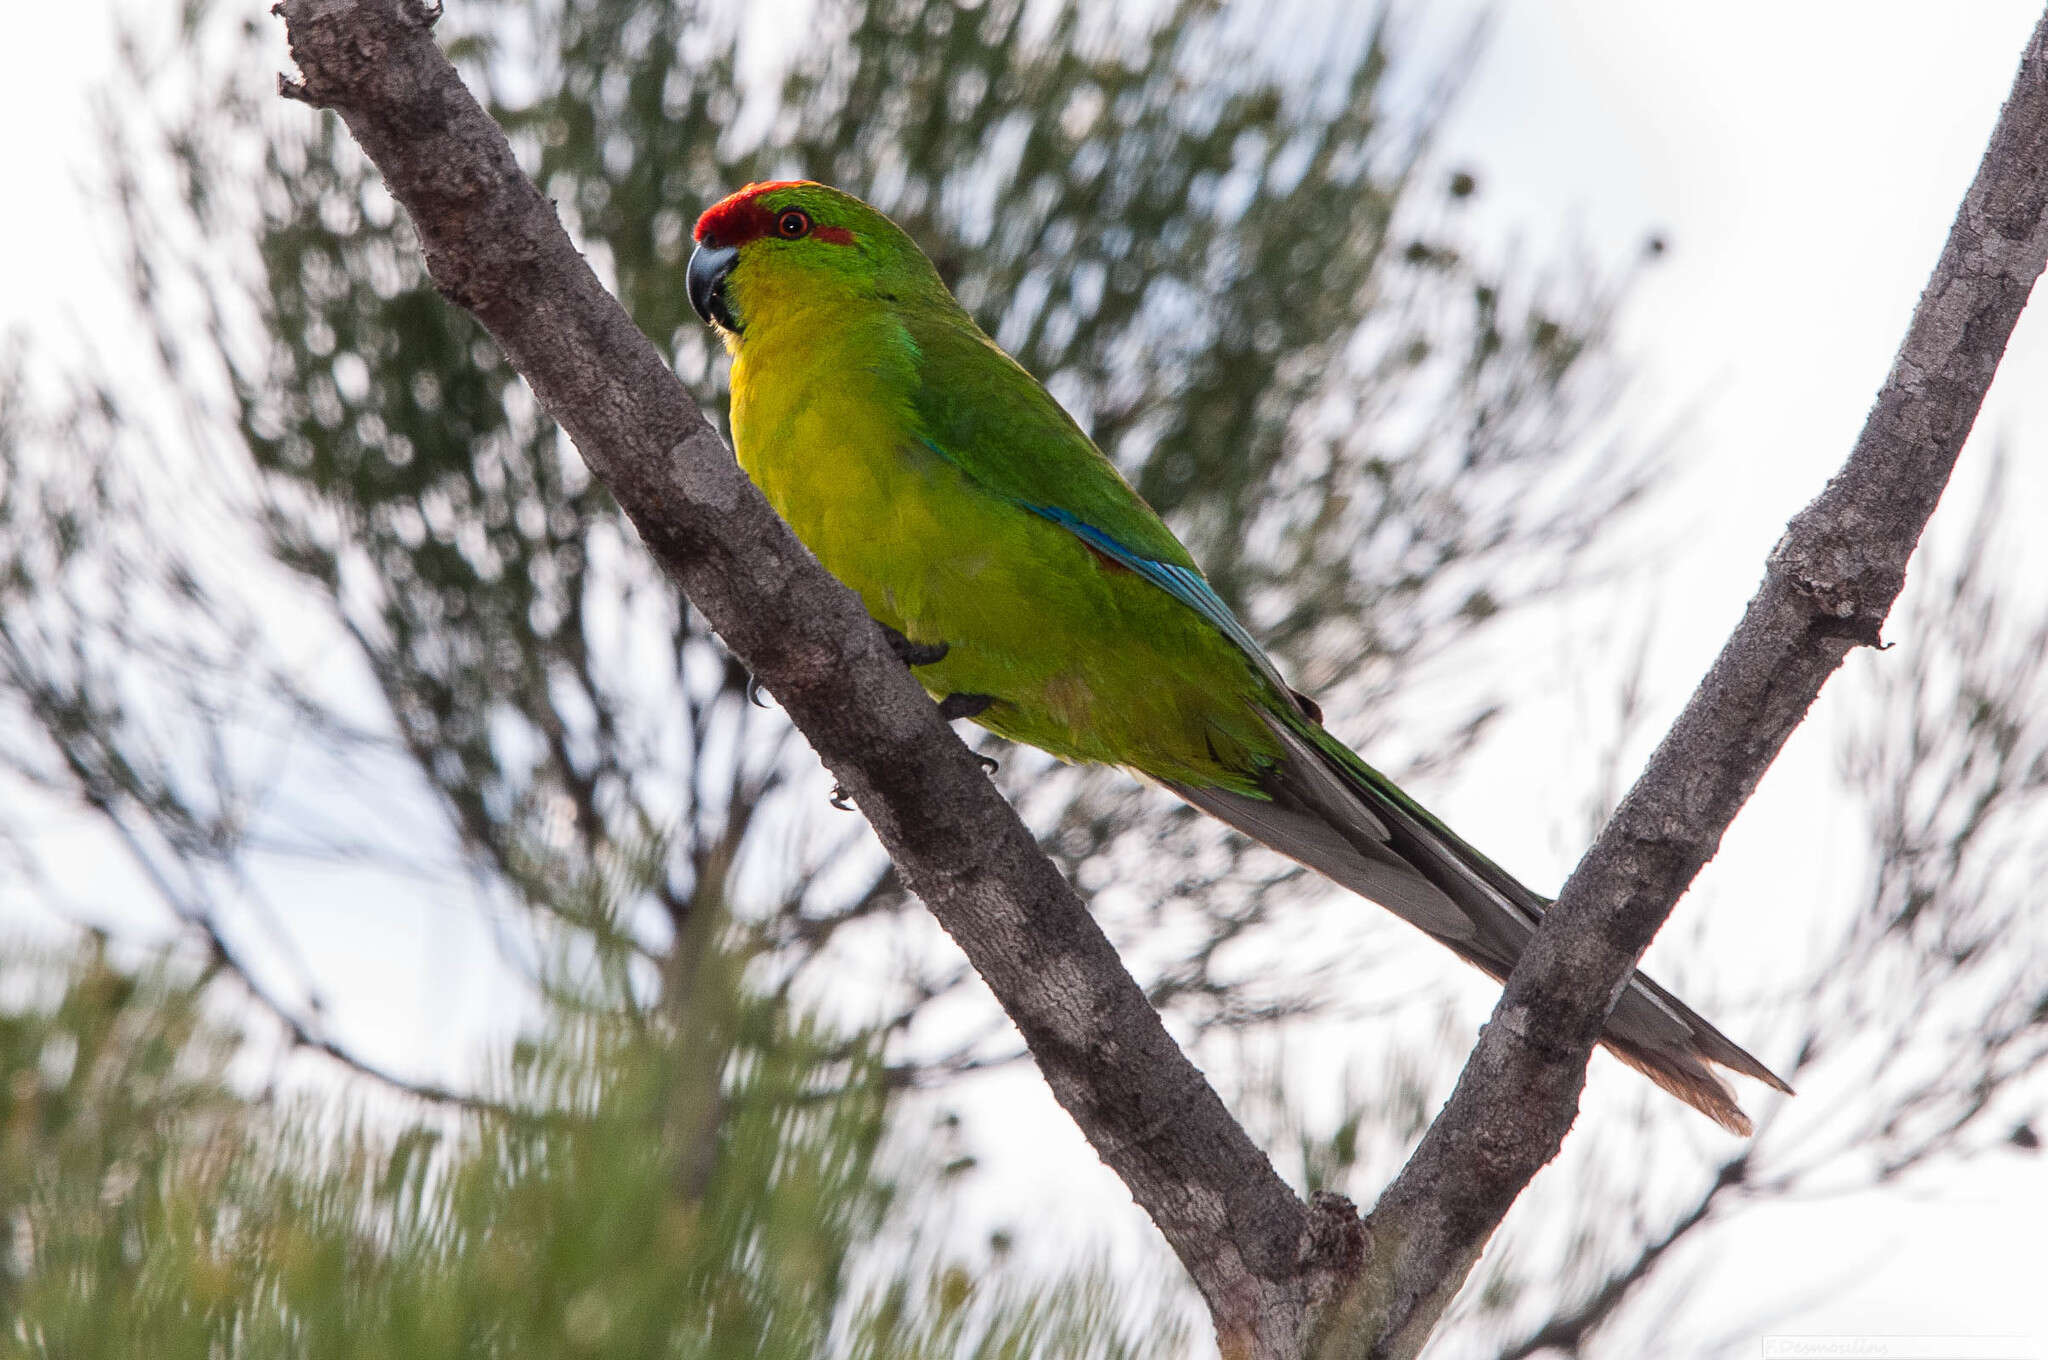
<point>1334,813</point>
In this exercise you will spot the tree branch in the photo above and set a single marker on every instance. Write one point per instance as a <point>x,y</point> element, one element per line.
<point>1264,1261</point>
<point>1828,586</point>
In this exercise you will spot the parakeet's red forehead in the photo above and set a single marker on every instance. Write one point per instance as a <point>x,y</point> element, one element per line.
<point>740,216</point>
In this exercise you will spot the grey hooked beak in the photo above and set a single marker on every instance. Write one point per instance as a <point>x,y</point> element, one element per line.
<point>709,265</point>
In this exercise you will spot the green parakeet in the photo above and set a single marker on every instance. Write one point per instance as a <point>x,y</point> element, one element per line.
<point>1033,591</point>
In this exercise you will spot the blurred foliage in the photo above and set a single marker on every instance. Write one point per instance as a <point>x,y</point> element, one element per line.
<point>154,1210</point>
<point>96,1063</point>
<point>392,635</point>
<point>1241,274</point>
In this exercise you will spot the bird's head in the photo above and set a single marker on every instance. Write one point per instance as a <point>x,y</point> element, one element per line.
<point>773,250</point>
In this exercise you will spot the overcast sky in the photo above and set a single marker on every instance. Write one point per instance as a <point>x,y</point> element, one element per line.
<point>1803,160</point>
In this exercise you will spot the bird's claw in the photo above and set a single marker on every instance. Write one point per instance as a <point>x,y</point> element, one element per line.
<point>987,762</point>
<point>914,653</point>
<point>841,799</point>
<point>1308,705</point>
<point>955,706</point>
<point>756,696</point>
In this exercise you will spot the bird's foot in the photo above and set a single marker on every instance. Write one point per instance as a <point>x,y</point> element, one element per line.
<point>841,799</point>
<point>956,706</point>
<point>914,653</point>
<point>987,762</point>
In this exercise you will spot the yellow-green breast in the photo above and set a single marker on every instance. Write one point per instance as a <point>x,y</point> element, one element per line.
<point>1084,658</point>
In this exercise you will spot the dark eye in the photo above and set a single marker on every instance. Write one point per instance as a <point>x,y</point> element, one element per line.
<point>793,224</point>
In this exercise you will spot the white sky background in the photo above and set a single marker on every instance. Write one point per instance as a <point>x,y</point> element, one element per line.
<point>1804,161</point>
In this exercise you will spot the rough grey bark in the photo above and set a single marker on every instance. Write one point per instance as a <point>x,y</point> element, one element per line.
<point>1268,1265</point>
<point>1828,586</point>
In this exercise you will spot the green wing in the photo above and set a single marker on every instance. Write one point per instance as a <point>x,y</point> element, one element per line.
<point>980,411</point>
<point>988,417</point>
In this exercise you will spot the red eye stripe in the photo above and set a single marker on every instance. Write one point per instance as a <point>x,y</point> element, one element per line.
<point>741,217</point>
<point>737,217</point>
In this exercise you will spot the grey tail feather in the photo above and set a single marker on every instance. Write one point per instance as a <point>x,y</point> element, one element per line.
<point>1331,817</point>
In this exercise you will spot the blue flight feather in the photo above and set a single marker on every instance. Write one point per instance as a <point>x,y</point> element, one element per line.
<point>1184,585</point>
